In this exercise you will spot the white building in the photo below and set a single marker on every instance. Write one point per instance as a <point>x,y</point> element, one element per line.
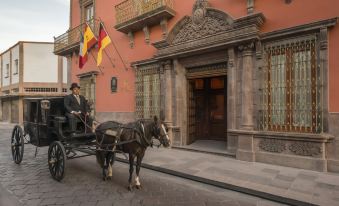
<point>29,69</point>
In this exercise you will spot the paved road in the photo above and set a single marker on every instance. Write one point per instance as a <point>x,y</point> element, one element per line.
<point>31,184</point>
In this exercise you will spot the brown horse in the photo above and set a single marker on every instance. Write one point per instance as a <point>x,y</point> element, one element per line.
<point>132,138</point>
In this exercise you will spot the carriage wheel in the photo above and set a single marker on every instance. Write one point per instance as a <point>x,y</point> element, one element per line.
<point>56,160</point>
<point>17,144</point>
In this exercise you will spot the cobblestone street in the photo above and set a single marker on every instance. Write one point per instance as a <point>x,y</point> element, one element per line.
<point>31,183</point>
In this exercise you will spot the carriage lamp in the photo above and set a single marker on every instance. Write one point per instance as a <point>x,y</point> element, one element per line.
<point>114,84</point>
<point>45,104</point>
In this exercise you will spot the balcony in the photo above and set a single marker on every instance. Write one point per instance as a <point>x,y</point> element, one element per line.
<point>134,15</point>
<point>70,41</point>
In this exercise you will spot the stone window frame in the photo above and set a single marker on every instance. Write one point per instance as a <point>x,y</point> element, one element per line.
<point>83,5</point>
<point>265,113</point>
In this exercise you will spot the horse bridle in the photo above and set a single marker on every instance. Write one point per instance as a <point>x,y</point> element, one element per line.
<point>156,132</point>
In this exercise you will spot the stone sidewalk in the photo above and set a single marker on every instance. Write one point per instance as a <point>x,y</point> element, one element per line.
<point>284,184</point>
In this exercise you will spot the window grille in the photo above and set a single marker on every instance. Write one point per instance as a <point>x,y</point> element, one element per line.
<point>147,92</point>
<point>291,97</point>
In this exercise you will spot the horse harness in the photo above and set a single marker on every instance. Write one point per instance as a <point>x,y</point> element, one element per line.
<point>116,132</point>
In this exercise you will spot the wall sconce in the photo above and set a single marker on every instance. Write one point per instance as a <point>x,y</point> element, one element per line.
<point>114,84</point>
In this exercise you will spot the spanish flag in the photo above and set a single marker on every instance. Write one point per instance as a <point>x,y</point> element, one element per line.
<point>87,41</point>
<point>103,41</point>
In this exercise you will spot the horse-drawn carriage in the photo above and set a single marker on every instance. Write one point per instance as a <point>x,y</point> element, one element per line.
<point>45,124</point>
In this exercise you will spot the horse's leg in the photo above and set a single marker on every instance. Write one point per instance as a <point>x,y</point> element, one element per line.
<point>110,160</point>
<point>131,168</point>
<point>105,167</point>
<point>140,156</point>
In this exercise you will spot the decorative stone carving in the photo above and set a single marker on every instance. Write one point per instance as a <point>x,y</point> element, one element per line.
<point>163,25</point>
<point>323,38</point>
<point>146,32</point>
<point>250,6</point>
<point>208,27</point>
<point>258,50</point>
<point>272,145</point>
<point>131,39</point>
<point>201,24</point>
<point>305,149</point>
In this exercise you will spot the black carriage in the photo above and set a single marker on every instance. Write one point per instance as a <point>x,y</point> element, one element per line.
<point>45,124</point>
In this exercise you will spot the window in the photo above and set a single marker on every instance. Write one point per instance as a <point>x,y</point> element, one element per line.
<point>147,92</point>
<point>7,71</point>
<point>89,12</point>
<point>290,97</point>
<point>16,66</point>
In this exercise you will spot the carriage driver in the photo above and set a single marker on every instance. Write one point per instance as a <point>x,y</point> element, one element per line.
<point>76,108</point>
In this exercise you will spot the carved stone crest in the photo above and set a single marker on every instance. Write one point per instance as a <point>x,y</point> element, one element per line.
<point>305,149</point>
<point>272,145</point>
<point>199,11</point>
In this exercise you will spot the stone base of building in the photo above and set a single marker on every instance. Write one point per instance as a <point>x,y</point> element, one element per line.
<point>333,165</point>
<point>305,151</point>
<point>301,162</point>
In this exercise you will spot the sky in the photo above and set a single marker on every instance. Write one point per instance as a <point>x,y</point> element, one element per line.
<point>32,20</point>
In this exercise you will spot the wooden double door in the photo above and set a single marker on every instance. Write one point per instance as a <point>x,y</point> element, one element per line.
<point>208,108</point>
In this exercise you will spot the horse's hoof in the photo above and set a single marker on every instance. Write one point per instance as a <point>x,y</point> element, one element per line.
<point>109,178</point>
<point>138,187</point>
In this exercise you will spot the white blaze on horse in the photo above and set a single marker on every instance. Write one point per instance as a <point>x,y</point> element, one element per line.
<point>132,138</point>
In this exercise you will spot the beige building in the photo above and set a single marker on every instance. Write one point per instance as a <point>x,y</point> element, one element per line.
<point>29,69</point>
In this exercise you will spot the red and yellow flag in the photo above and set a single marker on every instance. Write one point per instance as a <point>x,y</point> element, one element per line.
<point>103,41</point>
<point>87,41</point>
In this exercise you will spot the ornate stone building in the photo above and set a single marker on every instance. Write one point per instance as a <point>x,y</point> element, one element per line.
<point>260,82</point>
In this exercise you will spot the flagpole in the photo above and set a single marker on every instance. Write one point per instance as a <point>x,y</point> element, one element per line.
<point>103,26</point>
<point>109,59</point>
<point>96,61</point>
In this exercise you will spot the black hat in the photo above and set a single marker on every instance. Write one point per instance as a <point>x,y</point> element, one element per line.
<point>73,85</point>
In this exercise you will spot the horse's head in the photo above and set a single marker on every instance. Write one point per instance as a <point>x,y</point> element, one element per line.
<point>160,132</point>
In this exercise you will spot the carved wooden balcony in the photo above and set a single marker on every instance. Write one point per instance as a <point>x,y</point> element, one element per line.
<point>134,15</point>
<point>70,41</point>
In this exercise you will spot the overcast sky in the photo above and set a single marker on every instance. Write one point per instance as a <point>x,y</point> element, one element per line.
<point>32,20</point>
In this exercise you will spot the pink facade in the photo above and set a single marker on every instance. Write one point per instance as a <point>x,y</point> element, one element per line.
<point>275,97</point>
<point>278,15</point>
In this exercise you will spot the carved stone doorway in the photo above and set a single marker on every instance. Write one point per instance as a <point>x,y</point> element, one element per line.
<point>208,108</point>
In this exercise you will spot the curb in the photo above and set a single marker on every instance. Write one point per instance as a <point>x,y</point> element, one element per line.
<point>263,195</point>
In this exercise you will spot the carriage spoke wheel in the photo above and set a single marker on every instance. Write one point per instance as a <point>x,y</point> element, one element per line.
<point>17,144</point>
<point>56,160</point>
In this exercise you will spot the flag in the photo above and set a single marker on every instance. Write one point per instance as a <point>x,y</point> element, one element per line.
<point>87,41</point>
<point>82,53</point>
<point>103,41</point>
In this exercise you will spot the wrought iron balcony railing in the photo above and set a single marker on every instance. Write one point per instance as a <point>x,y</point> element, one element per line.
<point>131,12</point>
<point>70,41</point>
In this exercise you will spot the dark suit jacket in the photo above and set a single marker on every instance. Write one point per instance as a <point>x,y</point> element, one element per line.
<point>71,104</point>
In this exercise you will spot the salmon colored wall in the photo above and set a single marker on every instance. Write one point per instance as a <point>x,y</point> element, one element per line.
<point>334,69</point>
<point>278,16</point>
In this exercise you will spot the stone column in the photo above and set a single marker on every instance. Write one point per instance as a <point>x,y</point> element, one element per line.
<point>167,65</point>
<point>231,100</point>
<point>247,87</point>
<point>245,149</point>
